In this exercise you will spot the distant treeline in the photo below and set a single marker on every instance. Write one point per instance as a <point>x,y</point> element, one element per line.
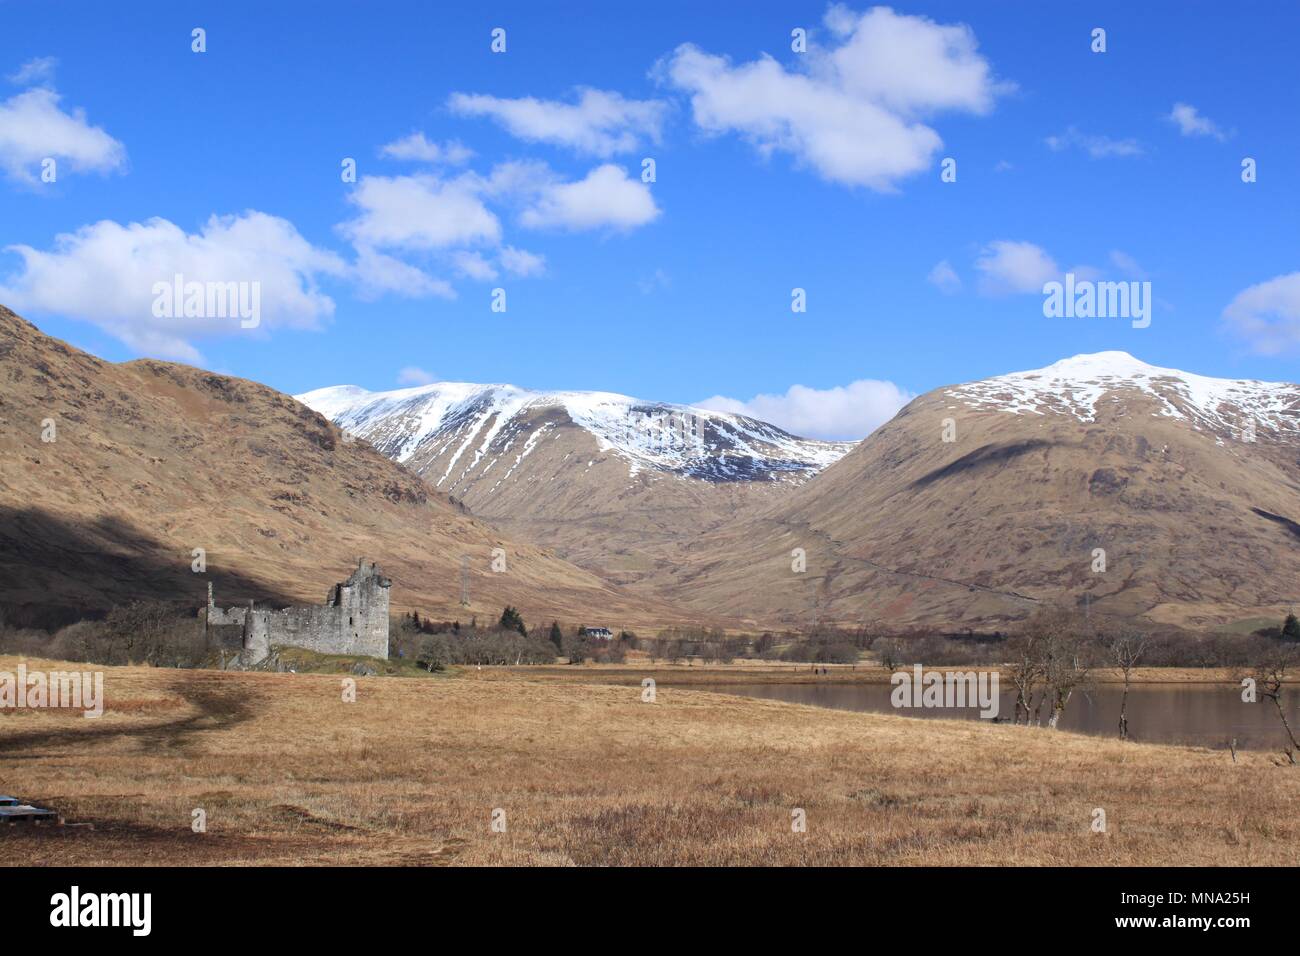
<point>166,634</point>
<point>1164,646</point>
<point>436,644</point>
<point>157,633</point>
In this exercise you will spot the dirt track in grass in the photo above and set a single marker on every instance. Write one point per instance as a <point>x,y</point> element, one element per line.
<point>288,772</point>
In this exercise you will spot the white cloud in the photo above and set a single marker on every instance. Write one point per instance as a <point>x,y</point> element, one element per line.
<point>1191,123</point>
<point>600,124</point>
<point>105,273</point>
<point>1010,266</point>
<point>34,72</point>
<point>448,221</point>
<point>413,375</point>
<point>521,263</point>
<point>1097,147</point>
<point>944,277</point>
<point>656,281</point>
<point>908,63</point>
<point>377,274</point>
<point>33,127</point>
<point>606,197</point>
<point>844,412</point>
<point>473,265</point>
<point>850,110</point>
<point>1127,264</point>
<point>416,147</point>
<point>513,179</point>
<point>1267,315</point>
<point>420,212</point>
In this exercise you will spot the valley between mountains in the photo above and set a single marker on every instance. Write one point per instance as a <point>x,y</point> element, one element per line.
<point>1098,482</point>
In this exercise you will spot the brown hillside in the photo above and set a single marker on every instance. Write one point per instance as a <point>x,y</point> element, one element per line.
<point>612,483</point>
<point>1199,526</point>
<point>152,460</point>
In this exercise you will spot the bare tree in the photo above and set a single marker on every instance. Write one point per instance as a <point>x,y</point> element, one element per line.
<point>1026,671</point>
<point>889,650</point>
<point>1065,667</point>
<point>672,650</point>
<point>1124,648</point>
<point>435,652</point>
<point>1051,651</point>
<point>1273,661</point>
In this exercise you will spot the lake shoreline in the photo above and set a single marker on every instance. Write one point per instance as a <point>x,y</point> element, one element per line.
<point>291,772</point>
<point>683,675</point>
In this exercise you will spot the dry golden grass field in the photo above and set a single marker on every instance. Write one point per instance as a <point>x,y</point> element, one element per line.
<point>588,774</point>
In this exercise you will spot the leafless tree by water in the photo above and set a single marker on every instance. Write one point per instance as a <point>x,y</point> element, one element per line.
<point>1124,648</point>
<point>1051,657</point>
<point>1274,662</point>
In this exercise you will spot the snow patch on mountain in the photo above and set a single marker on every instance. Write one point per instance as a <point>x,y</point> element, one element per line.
<point>465,423</point>
<point>1075,385</point>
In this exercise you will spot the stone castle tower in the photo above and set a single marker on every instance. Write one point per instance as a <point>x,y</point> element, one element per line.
<point>353,620</point>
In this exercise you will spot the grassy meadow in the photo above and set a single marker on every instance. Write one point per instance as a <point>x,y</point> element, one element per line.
<point>288,772</point>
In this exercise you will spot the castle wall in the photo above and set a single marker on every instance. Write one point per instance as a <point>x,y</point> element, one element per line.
<point>257,636</point>
<point>354,620</point>
<point>226,617</point>
<point>225,627</point>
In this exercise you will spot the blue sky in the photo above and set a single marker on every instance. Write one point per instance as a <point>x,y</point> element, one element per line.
<point>818,170</point>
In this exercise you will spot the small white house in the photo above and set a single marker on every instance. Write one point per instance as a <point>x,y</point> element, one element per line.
<point>598,633</point>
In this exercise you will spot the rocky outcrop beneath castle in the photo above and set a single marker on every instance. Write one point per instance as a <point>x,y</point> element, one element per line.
<point>353,620</point>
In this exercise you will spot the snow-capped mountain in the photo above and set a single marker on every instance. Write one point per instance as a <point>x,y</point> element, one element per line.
<point>975,504</point>
<point>155,456</point>
<point>1075,386</point>
<point>497,427</point>
<point>612,483</point>
<point>1100,481</point>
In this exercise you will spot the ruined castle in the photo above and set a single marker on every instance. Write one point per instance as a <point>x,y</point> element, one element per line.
<point>353,620</point>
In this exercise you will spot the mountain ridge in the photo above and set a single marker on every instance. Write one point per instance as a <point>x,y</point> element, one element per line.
<point>1188,484</point>
<point>112,474</point>
<point>610,482</point>
<point>1100,450</point>
<point>1078,382</point>
<point>979,501</point>
<point>679,439</point>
